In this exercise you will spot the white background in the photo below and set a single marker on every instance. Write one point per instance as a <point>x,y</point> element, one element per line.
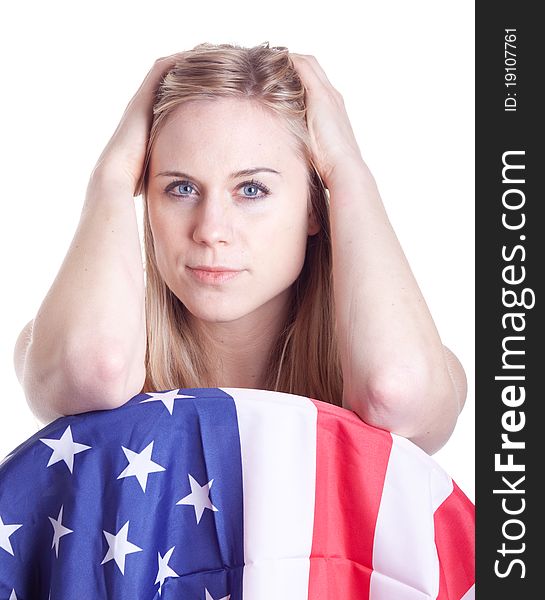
<point>405,69</point>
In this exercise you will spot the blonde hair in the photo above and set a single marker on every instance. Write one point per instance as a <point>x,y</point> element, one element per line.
<point>305,359</point>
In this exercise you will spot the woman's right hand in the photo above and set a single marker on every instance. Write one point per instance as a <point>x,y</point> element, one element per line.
<point>122,160</point>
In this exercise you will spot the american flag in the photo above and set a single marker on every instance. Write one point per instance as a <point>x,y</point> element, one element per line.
<point>228,494</point>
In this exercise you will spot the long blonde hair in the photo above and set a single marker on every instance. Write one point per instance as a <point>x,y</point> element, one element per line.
<point>305,358</point>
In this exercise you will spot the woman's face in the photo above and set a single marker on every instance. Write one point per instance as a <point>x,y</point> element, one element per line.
<point>237,201</point>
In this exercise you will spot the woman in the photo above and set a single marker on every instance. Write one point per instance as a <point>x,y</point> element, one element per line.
<point>248,165</point>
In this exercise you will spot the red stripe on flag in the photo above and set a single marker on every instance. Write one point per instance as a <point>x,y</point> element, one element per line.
<point>455,540</point>
<point>351,462</point>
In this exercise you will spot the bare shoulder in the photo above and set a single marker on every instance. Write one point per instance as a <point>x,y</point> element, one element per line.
<point>21,346</point>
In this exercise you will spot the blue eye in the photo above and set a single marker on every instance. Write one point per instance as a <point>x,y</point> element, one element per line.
<point>256,186</point>
<point>180,189</point>
<point>251,189</point>
<point>183,184</point>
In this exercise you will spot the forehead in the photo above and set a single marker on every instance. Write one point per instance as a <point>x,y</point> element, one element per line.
<point>224,129</point>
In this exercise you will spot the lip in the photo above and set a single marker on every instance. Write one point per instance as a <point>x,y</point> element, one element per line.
<point>214,269</point>
<point>213,274</point>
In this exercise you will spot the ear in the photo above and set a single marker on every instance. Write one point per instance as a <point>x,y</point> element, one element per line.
<point>313,225</point>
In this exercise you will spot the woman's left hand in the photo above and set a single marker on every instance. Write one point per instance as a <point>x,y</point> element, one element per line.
<point>333,142</point>
<point>396,373</point>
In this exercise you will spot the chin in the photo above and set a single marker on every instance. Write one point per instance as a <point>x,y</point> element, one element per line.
<point>214,313</point>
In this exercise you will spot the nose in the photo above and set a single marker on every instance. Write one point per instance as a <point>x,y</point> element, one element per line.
<point>213,223</point>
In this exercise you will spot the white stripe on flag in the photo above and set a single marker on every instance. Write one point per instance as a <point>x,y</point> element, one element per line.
<point>278,445</point>
<point>470,594</point>
<point>405,561</point>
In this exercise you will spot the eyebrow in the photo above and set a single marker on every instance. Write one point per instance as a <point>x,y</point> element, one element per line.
<point>242,173</point>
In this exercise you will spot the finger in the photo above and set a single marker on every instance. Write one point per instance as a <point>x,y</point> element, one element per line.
<point>128,143</point>
<point>140,106</point>
<point>160,67</point>
<point>311,66</point>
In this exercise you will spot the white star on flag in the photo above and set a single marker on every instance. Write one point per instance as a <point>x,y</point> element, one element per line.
<point>13,595</point>
<point>140,465</point>
<point>64,449</point>
<point>5,532</point>
<point>58,531</point>
<point>209,596</point>
<point>199,497</point>
<point>164,570</point>
<point>167,398</point>
<point>119,547</point>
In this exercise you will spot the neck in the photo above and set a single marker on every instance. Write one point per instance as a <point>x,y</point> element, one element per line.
<point>240,350</point>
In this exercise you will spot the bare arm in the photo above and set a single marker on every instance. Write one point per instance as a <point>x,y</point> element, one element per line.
<point>21,346</point>
<point>88,342</point>
<point>88,339</point>
<point>397,373</point>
